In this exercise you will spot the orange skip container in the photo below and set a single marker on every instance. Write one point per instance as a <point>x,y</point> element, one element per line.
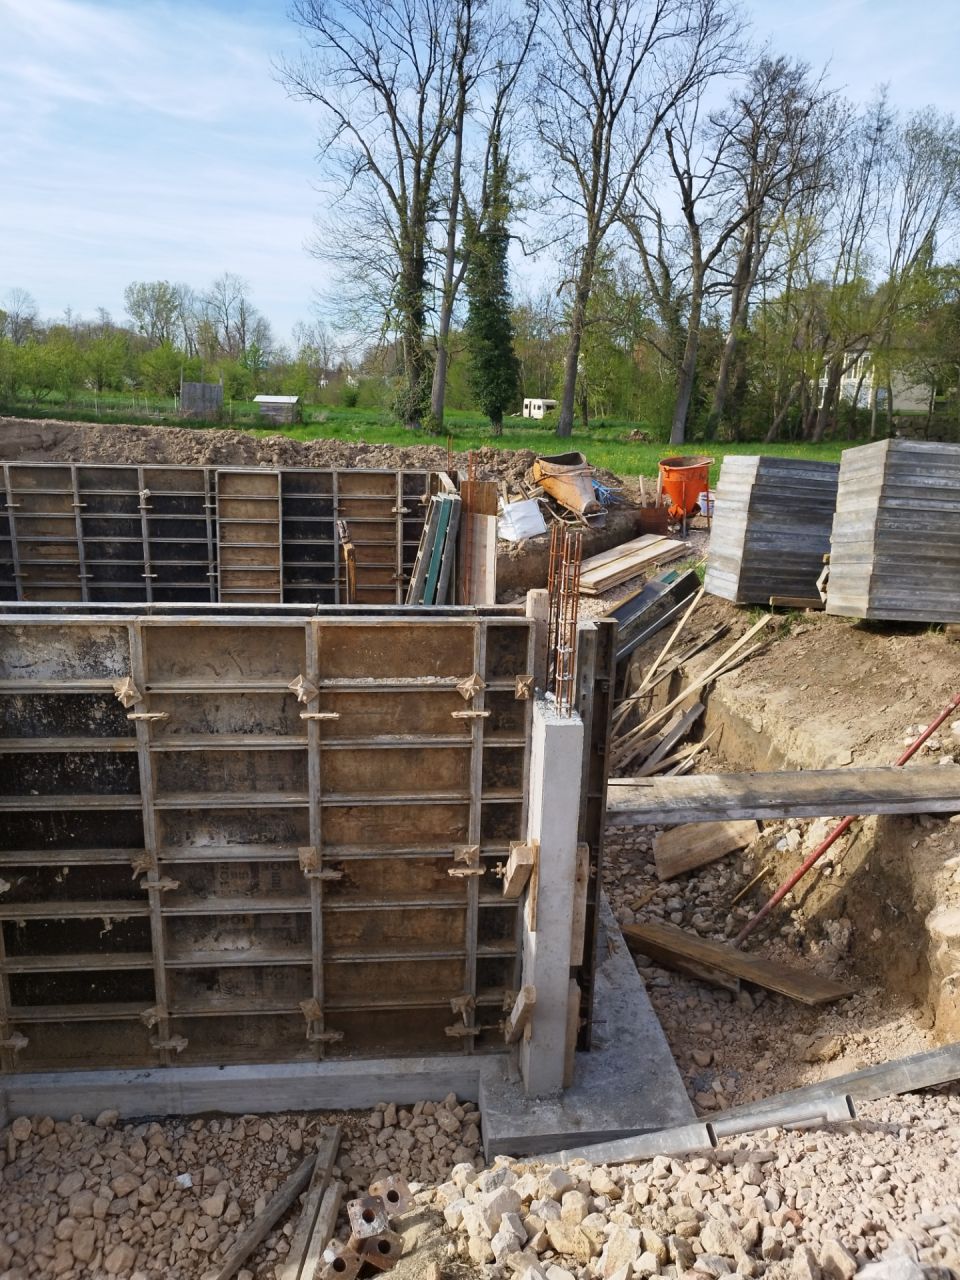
<point>683,479</point>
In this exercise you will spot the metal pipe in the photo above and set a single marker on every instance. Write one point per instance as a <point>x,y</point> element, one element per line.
<point>837,1109</point>
<point>705,1136</point>
<point>838,831</point>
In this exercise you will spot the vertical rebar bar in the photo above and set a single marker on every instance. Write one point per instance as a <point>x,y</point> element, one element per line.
<point>553,586</point>
<point>568,610</point>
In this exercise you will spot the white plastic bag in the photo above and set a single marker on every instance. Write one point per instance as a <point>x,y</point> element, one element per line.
<point>521,520</point>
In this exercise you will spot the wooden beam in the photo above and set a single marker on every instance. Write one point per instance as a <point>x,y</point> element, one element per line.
<point>264,1222</point>
<point>671,946</point>
<point>519,866</point>
<point>677,730</point>
<point>580,895</point>
<point>716,797</point>
<point>520,1014</point>
<point>323,1231</point>
<point>695,844</point>
<point>292,1266</point>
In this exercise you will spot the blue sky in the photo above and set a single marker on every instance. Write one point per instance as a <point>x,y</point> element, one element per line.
<point>141,141</point>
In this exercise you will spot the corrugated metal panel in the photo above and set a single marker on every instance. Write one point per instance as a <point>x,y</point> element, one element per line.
<point>771,528</point>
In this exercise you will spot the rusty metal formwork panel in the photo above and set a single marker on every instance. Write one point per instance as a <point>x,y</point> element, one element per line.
<point>166,534</point>
<point>264,838</point>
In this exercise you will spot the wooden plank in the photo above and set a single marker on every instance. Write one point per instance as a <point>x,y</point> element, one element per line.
<point>578,929</point>
<point>518,870</point>
<point>520,1014</point>
<point>674,735</point>
<point>714,797</point>
<point>618,571</point>
<point>428,537</point>
<point>624,549</point>
<point>667,944</point>
<point>323,1231</point>
<point>695,844</point>
<point>262,1225</point>
<point>292,1266</point>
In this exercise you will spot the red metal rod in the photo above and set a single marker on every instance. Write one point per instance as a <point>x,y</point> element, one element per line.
<point>837,831</point>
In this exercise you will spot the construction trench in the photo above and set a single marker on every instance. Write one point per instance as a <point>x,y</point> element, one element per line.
<point>267,852</point>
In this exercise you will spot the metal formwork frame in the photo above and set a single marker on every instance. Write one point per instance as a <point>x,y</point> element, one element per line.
<point>186,564</point>
<point>178,673</point>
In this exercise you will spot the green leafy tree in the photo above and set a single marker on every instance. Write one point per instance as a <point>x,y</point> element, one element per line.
<point>160,369</point>
<point>494,369</point>
<point>105,361</point>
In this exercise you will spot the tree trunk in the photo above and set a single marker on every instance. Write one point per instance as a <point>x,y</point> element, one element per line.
<point>571,366</point>
<point>438,391</point>
<point>873,410</point>
<point>688,367</point>
<point>723,385</point>
<point>834,374</point>
<point>774,429</point>
<point>412,309</point>
<point>889,406</point>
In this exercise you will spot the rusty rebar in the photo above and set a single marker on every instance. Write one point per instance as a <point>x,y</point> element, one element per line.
<point>568,612</point>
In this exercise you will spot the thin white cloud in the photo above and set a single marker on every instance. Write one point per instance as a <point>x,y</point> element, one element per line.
<point>150,141</point>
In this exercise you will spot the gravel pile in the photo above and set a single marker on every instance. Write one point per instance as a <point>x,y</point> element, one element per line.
<point>166,1201</point>
<point>814,1205</point>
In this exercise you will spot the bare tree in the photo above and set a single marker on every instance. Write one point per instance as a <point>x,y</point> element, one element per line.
<point>774,143</point>
<point>231,324</point>
<point>384,74</point>
<point>20,310</point>
<point>844,318</point>
<point>611,73</point>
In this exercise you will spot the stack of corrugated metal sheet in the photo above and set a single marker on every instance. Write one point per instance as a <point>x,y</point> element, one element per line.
<point>895,549</point>
<point>771,529</point>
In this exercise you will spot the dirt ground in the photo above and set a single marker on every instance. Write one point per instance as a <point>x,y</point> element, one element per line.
<point>26,440</point>
<point>825,692</point>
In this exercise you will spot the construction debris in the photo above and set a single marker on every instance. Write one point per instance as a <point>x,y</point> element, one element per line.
<point>677,949</point>
<point>568,478</point>
<point>310,1239</point>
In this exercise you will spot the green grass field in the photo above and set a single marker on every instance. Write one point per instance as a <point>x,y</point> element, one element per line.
<point>603,445</point>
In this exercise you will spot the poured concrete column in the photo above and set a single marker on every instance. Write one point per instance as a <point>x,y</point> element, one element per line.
<point>556,763</point>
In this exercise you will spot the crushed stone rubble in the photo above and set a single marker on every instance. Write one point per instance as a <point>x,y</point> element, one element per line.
<point>84,1200</point>
<point>150,1201</point>
<point>881,1197</point>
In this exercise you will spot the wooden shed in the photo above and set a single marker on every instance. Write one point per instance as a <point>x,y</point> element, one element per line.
<point>279,408</point>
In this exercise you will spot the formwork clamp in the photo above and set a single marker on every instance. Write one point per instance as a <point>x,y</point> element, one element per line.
<point>126,692</point>
<point>305,689</point>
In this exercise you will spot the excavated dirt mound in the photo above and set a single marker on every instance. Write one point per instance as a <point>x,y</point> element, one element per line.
<point>23,440</point>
